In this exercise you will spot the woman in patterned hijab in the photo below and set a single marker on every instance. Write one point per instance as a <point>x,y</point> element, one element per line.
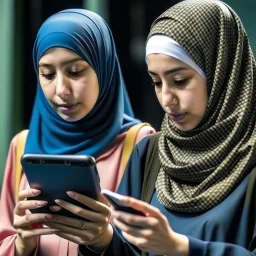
<point>203,165</point>
<point>203,70</point>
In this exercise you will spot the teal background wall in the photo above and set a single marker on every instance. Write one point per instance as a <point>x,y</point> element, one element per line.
<point>6,73</point>
<point>11,74</point>
<point>98,6</point>
<point>246,11</point>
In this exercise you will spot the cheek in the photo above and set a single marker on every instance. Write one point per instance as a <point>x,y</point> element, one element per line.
<point>88,94</point>
<point>48,91</point>
<point>187,100</point>
<point>198,102</point>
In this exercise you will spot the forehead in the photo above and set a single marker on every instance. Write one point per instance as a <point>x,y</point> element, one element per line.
<point>58,55</point>
<point>159,61</point>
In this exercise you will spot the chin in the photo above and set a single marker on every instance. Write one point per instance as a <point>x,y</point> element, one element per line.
<point>70,118</point>
<point>184,128</point>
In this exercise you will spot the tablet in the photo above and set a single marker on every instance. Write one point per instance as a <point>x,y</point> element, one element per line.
<point>54,175</point>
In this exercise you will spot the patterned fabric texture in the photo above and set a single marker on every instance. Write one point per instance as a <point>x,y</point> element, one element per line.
<point>200,168</point>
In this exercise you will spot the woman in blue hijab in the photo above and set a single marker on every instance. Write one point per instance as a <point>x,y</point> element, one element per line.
<point>81,107</point>
<point>86,34</point>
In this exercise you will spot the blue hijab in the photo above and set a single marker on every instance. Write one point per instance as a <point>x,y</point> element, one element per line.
<point>88,35</point>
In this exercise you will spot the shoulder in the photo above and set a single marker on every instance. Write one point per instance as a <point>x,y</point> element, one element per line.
<point>144,131</point>
<point>142,146</point>
<point>148,145</point>
<point>17,137</point>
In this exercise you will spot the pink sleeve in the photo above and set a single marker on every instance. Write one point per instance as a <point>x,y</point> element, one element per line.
<point>7,203</point>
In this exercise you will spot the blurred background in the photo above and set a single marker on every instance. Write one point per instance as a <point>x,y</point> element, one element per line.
<point>129,21</point>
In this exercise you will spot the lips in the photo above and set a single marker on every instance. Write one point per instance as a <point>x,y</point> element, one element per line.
<point>66,105</point>
<point>67,108</point>
<point>177,117</point>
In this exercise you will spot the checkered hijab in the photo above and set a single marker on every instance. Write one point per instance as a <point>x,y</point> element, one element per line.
<point>201,167</point>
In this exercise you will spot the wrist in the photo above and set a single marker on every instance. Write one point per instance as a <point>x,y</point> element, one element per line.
<point>24,248</point>
<point>180,246</point>
<point>103,240</point>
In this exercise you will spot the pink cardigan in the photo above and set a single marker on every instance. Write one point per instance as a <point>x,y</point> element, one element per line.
<point>108,165</point>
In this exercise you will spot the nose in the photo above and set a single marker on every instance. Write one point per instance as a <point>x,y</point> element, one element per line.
<point>168,96</point>
<point>62,86</point>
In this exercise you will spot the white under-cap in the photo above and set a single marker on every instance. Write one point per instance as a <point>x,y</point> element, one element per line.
<point>166,45</point>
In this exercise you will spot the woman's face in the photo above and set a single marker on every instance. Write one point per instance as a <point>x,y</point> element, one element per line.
<point>69,83</point>
<point>181,91</point>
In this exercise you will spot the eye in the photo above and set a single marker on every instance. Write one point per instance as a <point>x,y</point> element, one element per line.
<point>75,73</point>
<point>49,76</point>
<point>156,83</point>
<point>180,82</point>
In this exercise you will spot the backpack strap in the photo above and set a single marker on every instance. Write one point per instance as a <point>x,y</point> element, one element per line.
<point>21,141</point>
<point>129,142</point>
<point>152,167</point>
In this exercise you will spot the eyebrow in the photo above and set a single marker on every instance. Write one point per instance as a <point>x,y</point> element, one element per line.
<point>167,72</point>
<point>62,64</point>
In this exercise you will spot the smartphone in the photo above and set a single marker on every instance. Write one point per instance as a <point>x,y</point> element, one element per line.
<point>115,200</point>
<point>54,175</point>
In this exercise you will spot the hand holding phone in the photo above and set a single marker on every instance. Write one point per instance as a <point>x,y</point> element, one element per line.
<point>115,200</point>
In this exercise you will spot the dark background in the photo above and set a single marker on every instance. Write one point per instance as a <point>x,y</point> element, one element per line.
<point>129,21</point>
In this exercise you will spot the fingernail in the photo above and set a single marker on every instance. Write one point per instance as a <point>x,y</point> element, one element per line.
<point>36,192</point>
<point>55,208</point>
<point>71,194</point>
<point>58,201</point>
<point>48,216</point>
<point>41,203</point>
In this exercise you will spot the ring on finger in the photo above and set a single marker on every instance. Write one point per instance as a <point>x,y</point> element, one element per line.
<point>84,226</point>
